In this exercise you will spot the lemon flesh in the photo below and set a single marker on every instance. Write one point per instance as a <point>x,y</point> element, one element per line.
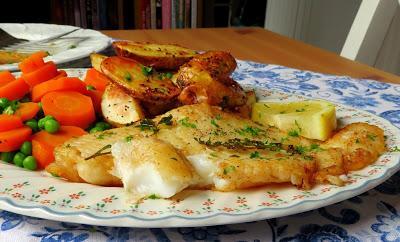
<point>310,119</point>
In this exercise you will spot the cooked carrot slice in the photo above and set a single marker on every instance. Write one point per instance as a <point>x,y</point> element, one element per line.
<point>43,143</point>
<point>27,110</point>
<point>96,79</point>
<point>8,122</point>
<point>6,77</point>
<point>42,153</point>
<point>60,84</point>
<point>69,108</point>
<point>96,96</point>
<point>42,74</point>
<point>61,73</point>
<point>12,140</point>
<point>33,62</point>
<point>14,90</point>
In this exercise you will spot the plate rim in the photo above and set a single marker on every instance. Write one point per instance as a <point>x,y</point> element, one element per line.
<point>13,67</point>
<point>219,217</point>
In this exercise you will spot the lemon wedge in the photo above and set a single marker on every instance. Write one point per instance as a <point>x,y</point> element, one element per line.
<point>312,119</point>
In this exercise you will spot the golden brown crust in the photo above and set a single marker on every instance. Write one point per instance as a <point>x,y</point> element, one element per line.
<point>129,75</point>
<point>205,79</point>
<point>159,56</point>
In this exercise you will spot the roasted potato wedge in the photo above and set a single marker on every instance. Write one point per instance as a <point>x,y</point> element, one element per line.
<point>205,78</point>
<point>158,56</point>
<point>96,60</point>
<point>119,108</point>
<point>138,81</point>
<point>216,65</point>
<point>153,109</point>
<point>245,110</point>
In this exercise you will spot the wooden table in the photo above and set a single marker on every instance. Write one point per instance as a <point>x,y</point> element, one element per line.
<point>259,45</point>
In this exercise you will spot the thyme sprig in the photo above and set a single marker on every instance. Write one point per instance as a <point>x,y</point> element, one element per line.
<point>241,143</point>
<point>100,152</point>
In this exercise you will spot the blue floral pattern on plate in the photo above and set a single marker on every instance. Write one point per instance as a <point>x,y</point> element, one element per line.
<point>371,216</point>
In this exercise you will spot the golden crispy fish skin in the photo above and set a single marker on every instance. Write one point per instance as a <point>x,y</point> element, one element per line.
<point>237,152</point>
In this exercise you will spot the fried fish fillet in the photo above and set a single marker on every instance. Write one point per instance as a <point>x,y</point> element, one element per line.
<point>226,151</point>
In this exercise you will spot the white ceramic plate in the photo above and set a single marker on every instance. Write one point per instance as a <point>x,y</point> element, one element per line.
<point>37,194</point>
<point>94,40</point>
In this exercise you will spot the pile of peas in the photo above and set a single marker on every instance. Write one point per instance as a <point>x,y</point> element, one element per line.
<point>23,157</point>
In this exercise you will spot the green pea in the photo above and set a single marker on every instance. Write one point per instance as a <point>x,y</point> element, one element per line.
<point>4,102</point>
<point>43,120</point>
<point>103,125</point>
<point>26,148</point>
<point>33,124</point>
<point>7,156</point>
<point>19,159</point>
<point>30,163</point>
<point>95,129</point>
<point>51,126</point>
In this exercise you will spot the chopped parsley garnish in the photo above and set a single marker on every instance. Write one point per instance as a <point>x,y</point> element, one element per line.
<point>218,117</point>
<point>300,110</point>
<point>315,147</point>
<point>265,105</point>
<point>308,157</point>
<point>147,124</point>
<point>185,122</point>
<point>90,88</point>
<point>167,75</point>
<point>293,133</point>
<point>72,46</point>
<point>255,154</point>
<point>300,149</point>
<point>128,138</point>
<point>174,158</point>
<point>213,154</point>
<point>357,141</point>
<point>128,77</point>
<point>166,120</point>
<point>213,122</point>
<point>253,131</point>
<point>229,169</point>
<point>104,134</point>
<point>146,70</point>
<point>153,197</point>
<point>372,137</point>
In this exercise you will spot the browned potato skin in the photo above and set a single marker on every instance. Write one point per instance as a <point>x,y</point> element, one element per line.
<point>218,64</point>
<point>96,60</point>
<point>153,109</point>
<point>206,79</point>
<point>164,57</point>
<point>138,85</point>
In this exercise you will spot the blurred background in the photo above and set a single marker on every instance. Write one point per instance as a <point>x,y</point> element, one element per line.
<point>323,23</point>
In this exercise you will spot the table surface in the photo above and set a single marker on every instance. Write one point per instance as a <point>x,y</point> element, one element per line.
<point>259,45</point>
